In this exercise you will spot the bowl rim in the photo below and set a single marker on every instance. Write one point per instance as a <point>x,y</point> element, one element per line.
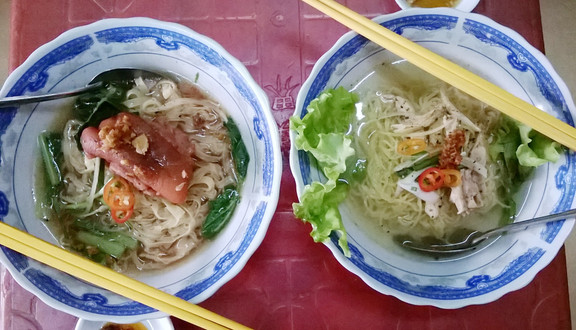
<point>163,323</point>
<point>273,136</point>
<point>528,275</point>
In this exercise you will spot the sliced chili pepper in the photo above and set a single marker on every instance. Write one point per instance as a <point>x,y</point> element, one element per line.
<point>119,197</point>
<point>452,177</point>
<point>121,216</point>
<point>410,147</point>
<point>431,179</point>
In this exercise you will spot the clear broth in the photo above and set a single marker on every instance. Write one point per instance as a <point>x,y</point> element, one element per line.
<point>404,75</point>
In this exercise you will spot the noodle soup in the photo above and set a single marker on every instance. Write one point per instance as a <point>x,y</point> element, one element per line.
<point>400,103</point>
<point>171,159</point>
<point>496,268</point>
<point>407,154</point>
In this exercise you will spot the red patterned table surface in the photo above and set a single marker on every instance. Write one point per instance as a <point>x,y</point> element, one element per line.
<point>290,282</point>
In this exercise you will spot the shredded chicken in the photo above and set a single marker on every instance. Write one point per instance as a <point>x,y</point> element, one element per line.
<point>465,121</point>
<point>445,128</point>
<point>433,208</point>
<point>468,196</point>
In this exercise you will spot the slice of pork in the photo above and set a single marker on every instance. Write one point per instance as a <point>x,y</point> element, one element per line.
<point>152,155</point>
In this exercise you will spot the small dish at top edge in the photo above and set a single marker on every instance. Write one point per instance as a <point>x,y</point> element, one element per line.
<point>163,323</point>
<point>463,5</point>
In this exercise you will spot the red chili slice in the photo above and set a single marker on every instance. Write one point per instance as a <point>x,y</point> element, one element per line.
<point>119,197</point>
<point>431,179</point>
<point>121,216</point>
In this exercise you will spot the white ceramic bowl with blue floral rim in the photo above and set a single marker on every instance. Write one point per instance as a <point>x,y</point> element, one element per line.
<point>510,262</point>
<point>71,61</point>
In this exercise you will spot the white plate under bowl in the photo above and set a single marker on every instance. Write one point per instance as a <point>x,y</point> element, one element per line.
<point>71,61</point>
<point>505,58</point>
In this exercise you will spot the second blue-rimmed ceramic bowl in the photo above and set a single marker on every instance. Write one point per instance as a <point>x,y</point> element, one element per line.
<point>502,56</point>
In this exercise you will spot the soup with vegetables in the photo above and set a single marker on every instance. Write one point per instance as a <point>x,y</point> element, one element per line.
<point>409,154</point>
<point>141,174</point>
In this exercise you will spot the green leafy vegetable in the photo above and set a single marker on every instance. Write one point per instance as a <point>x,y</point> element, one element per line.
<point>239,151</point>
<point>92,108</point>
<point>521,149</point>
<point>221,210</point>
<point>47,201</point>
<point>50,149</point>
<point>223,206</point>
<point>323,132</point>
<point>104,244</point>
<point>109,242</point>
<point>319,206</point>
<point>536,149</point>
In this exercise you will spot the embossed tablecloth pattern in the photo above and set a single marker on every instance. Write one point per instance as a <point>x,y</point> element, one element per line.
<point>290,282</point>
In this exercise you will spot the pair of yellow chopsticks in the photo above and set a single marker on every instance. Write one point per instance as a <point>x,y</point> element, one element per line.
<point>97,274</point>
<point>451,73</point>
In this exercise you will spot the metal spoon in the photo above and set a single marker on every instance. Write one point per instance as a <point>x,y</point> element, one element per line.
<point>96,83</point>
<point>469,239</point>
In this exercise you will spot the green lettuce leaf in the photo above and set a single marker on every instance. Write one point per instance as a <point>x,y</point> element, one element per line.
<point>536,149</point>
<point>319,206</point>
<point>322,132</point>
<point>518,150</point>
<point>521,149</point>
<point>331,154</point>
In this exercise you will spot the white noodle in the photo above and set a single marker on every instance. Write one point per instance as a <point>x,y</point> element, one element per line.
<point>167,232</point>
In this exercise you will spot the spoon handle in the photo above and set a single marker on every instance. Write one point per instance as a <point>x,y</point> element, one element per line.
<point>521,225</point>
<point>25,99</point>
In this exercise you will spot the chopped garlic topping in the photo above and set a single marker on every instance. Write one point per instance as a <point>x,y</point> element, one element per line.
<point>140,143</point>
<point>180,186</point>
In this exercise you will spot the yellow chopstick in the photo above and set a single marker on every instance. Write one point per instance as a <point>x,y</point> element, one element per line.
<point>451,73</point>
<point>106,278</point>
